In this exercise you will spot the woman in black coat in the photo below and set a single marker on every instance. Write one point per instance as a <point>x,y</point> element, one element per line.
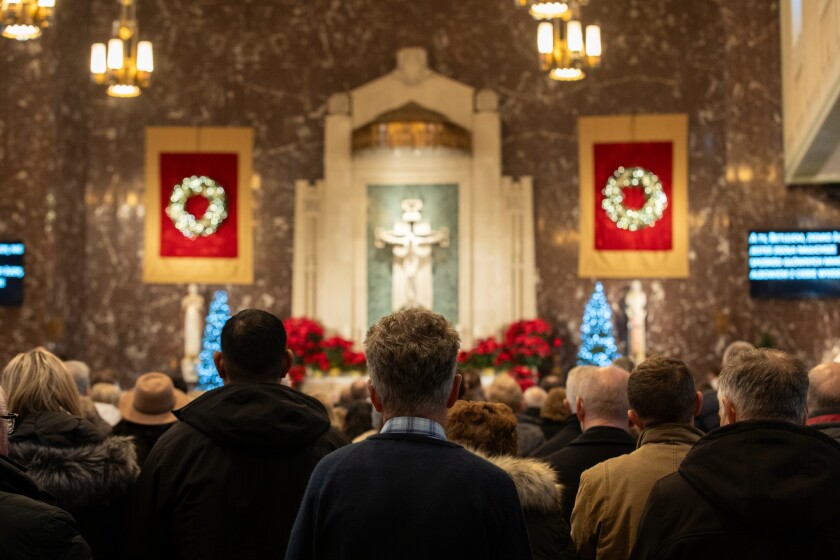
<point>89,473</point>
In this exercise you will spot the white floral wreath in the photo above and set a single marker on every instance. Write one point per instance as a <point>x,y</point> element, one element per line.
<point>213,217</point>
<point>655,199</point>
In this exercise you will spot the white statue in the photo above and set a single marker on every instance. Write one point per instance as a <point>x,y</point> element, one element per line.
<point>412,240</point>
<point>636,310</point>
<point>193,307</point>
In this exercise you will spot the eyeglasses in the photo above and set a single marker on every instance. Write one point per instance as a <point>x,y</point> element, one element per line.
<point>10,420</point>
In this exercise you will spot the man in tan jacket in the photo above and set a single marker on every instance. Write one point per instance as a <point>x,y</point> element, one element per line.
<point>612,494</point>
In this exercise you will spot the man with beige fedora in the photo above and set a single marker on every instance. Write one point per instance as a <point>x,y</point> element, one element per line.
<point>147,411</point>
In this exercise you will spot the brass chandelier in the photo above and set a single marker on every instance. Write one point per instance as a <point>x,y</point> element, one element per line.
<point>563,51</point>
<point>124,64</point>
<point>25,19</point>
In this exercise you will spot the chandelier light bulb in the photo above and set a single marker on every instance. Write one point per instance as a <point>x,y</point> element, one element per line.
<point>46,3</point>
<point>98,58</point>
<point>115,54</point>
<point>145,57</point>
<point>545,37</point>
<point>574,37</point>
<point>593,41</point>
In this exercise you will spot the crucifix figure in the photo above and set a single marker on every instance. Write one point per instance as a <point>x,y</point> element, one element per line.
<point>412,241</point>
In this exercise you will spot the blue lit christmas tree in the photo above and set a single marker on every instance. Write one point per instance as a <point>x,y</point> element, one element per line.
<point>208,377</point>
<point>597,347</point>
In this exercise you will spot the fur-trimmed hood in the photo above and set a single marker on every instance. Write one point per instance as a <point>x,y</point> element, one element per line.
<point>535,481</point>
<point>72,460</point>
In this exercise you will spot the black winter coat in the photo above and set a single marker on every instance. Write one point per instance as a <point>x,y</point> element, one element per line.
<point>89,474</point>
<point>226,482</point>
<point>30,527</point>
<point>751,490</point>
<point>587,450</point>
<point>145,436</point>
<point>569,430</point>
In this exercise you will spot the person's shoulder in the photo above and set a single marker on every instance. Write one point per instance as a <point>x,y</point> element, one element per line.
<point>45,523</point>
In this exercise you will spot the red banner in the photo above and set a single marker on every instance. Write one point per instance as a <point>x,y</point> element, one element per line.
<point>656,157</point>
<point>223,168</point>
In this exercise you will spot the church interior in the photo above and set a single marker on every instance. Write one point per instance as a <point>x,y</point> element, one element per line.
<point>680,154</point>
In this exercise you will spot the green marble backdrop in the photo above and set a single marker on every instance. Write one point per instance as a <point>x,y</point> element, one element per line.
<point>440,209</point>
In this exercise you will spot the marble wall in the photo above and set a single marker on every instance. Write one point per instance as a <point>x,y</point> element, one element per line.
<point>71,159</point>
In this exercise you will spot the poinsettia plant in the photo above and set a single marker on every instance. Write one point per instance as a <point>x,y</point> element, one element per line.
<point>305,337</point>
<point>526,343</point>
<point>525,346</point>
<point>482,356</point>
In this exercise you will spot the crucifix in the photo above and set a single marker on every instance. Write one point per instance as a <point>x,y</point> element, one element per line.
<point>412,241</point>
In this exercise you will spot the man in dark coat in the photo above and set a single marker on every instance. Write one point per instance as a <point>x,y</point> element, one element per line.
<point>570,429</point>
<point>226,482</point>
<point>30,525</point>
<point>760,486</point>
<point>602,406</point>
<point>409,492</point>
<point>824,399</point>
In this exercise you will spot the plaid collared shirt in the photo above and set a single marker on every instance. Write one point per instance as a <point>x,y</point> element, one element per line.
<point>414,425</point>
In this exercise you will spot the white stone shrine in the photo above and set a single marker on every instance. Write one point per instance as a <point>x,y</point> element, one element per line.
<point>488,268</point>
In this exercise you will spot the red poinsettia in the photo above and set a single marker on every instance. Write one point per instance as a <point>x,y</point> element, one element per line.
<point>305,337</point>
<point>482,356</point>
<point>526,343</point>
<point>525,376</point>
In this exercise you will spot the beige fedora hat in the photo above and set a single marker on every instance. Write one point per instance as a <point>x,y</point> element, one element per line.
<point>152,400</point>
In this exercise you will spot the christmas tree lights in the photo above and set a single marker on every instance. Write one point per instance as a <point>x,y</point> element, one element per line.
<point>597,347</point>
<point>217,316</point>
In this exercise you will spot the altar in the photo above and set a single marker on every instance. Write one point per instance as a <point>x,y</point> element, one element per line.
<point>413,210</point>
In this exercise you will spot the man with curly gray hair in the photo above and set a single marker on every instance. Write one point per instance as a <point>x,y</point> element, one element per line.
<point>428,497</point>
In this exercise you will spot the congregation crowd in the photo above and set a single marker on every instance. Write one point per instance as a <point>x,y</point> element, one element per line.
<point>418,461</point>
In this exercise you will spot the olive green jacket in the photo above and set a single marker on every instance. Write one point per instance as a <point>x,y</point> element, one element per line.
<point>612,494</point>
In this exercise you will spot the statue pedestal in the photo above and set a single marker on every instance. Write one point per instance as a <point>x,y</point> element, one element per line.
<point>189,370</point>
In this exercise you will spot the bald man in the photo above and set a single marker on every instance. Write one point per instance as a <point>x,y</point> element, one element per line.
<point>602,406</point>
<point>824,399</point>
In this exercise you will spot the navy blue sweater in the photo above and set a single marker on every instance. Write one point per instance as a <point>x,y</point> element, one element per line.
<point>408,496</point>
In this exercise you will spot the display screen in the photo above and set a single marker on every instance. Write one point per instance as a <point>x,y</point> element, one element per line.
<point>11,273</point>
<point>794,264</point>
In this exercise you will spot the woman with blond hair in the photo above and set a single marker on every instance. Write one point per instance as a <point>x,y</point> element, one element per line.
<point>89,473</point>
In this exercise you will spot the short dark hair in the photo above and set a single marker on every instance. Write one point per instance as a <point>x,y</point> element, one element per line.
<point>661,391</point>
<point>254,346</point>
<point>411,358</point>
<point>766,384</point>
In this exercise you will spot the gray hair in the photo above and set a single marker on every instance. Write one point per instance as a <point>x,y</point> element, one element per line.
<point>534,397</point>
<point>573,381</point>
<point>766,384</point>
<point>604,393</point>
<point>824,387</point>
<point>411,358</point>
<point>734,350</point>
<point>81,375</point>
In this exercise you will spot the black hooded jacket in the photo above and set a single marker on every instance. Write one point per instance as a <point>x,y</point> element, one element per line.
<point>754,489</point>
<point>31,526</point>
<point>226,482</point>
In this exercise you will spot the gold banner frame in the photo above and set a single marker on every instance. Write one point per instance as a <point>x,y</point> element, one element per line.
<point>634,264</point>
<point>200,270</point>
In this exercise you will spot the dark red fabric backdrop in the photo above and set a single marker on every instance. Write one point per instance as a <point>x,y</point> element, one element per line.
<point>656,157</point>
<point>222,168</point>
